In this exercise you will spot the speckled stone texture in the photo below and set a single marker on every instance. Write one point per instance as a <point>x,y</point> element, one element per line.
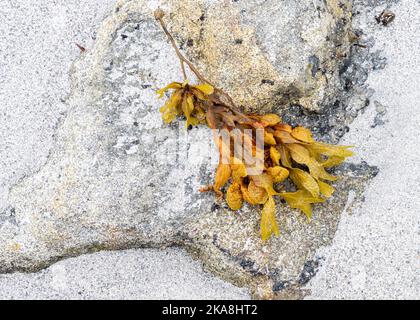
<point>128,274</point>
<point>118,178</point>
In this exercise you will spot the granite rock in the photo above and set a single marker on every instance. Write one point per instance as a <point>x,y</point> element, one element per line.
<point>118,178</point>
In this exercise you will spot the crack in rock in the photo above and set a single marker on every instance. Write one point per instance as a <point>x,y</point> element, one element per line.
<point>118,178</point>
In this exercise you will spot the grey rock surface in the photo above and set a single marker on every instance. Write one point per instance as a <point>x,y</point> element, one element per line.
<point>109,175</point>
<point>130,274</point>
<point>118,178</point>
<point>37,50</point>
<point>375,253</point>
<point>267,52</point>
